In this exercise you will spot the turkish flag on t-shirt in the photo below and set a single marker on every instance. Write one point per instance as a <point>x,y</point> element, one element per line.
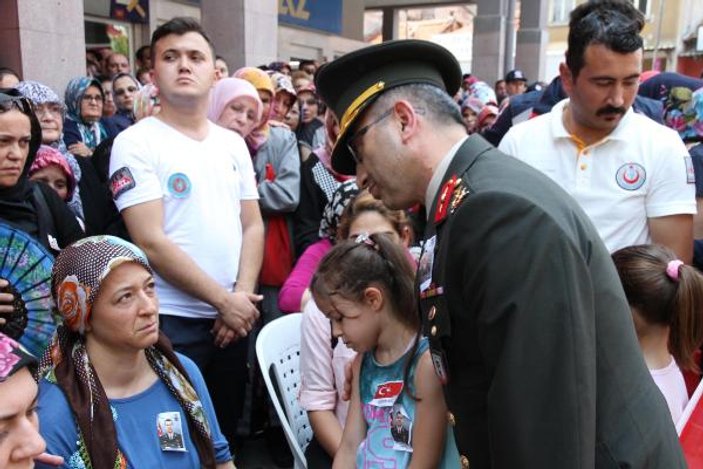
<point>387,393</point>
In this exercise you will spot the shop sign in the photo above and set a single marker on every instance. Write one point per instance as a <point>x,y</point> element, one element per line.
<point>131,11</point>
<point>323,15</point>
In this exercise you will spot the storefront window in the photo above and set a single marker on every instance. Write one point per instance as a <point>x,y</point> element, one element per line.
<point>103,37</point>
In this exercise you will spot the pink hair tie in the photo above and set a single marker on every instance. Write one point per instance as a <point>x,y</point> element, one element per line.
<point>672,269</point>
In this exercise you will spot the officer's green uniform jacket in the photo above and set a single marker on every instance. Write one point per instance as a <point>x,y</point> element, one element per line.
<point>531,328</point>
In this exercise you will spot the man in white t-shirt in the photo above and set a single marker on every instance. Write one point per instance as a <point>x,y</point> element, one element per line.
<point>632,176</point>
<point>187,191</point>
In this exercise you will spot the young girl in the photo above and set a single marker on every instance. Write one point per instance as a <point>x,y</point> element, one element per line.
<point>397,414</point>
<point>666,298</point>
<point>51,168</point>
<point>323,360</point>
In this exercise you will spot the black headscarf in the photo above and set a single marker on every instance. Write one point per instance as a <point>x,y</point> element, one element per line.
<point>15,204</point>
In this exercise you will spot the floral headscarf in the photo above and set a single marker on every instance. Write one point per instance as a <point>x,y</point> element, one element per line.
<point>79,271</point>
<point>475,104</point>
<point>76,278</point>
<point>283,84</point>
<point>14,357</point>
<point>483,92</point>
<point>92,134</point>
<point>683,112</point>
<point>39,93</point>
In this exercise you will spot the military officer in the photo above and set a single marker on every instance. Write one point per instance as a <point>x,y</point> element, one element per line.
<point>529,327</point>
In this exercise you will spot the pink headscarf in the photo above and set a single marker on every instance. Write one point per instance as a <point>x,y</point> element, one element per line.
<point>262,82</point>
<point>227,90</point>
<point>47,156</point>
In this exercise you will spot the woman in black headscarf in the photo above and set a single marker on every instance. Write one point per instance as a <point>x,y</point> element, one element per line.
<point>31,207</point>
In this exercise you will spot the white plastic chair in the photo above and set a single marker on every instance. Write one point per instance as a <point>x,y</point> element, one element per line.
<point>278,350</point>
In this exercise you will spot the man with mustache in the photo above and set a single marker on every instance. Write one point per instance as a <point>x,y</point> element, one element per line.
<point>632,176</point>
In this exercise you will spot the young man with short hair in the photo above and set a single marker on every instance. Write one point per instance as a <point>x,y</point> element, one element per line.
<point>632,176</point>
<point>187,192</point>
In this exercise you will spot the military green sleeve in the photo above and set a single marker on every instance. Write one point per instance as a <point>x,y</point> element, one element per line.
<point>528,287</point>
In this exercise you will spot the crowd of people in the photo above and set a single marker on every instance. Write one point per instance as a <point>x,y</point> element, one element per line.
<point>501,275</point>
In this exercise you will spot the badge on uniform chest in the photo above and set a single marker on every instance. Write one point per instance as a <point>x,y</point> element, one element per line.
<point>439,362</point>
<point>424,269</point>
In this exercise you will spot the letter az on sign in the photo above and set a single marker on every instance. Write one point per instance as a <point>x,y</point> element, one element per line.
<point>295,8</point>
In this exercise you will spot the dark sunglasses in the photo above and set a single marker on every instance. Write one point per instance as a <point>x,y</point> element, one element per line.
<point>20,103</point>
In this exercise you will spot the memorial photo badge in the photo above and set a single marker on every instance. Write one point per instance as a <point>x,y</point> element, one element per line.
<point>169,429</point>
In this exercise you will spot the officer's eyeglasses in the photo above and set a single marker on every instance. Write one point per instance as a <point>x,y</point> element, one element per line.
<point>353,141</point>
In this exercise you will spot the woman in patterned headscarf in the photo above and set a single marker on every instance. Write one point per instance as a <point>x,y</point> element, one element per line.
<point>113,393</point>
<point>50,111</point>
<point>28,206</point>
<point>82,128</point>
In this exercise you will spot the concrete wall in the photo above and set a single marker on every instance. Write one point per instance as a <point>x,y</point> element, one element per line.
<point>306,44</point>
<point>302,43</point>
<point>532,38</point>
<point>163,10</point>
<point>37,42</point>
<point>245,32</point>
<point>489,39</point>
<point>353,19</point>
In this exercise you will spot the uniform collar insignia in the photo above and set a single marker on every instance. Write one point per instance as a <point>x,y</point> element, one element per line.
<point>444,199</point>
<point>460,192</point>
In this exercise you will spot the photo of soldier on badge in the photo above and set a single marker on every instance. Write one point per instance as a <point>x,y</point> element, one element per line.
<point>170,432</point>
<point>400,428</point>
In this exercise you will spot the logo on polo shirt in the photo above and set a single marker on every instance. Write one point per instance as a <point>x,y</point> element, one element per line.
<point>631,176</point>
<point>179,185</point>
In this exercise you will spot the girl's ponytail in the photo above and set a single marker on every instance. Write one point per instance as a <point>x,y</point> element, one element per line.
<point>666,292</point>
<point>686,328</point>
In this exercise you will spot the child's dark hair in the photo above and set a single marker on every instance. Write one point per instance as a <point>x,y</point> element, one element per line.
<point>365,202</point>
<point>351,266</point>
<point>666,292</point>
